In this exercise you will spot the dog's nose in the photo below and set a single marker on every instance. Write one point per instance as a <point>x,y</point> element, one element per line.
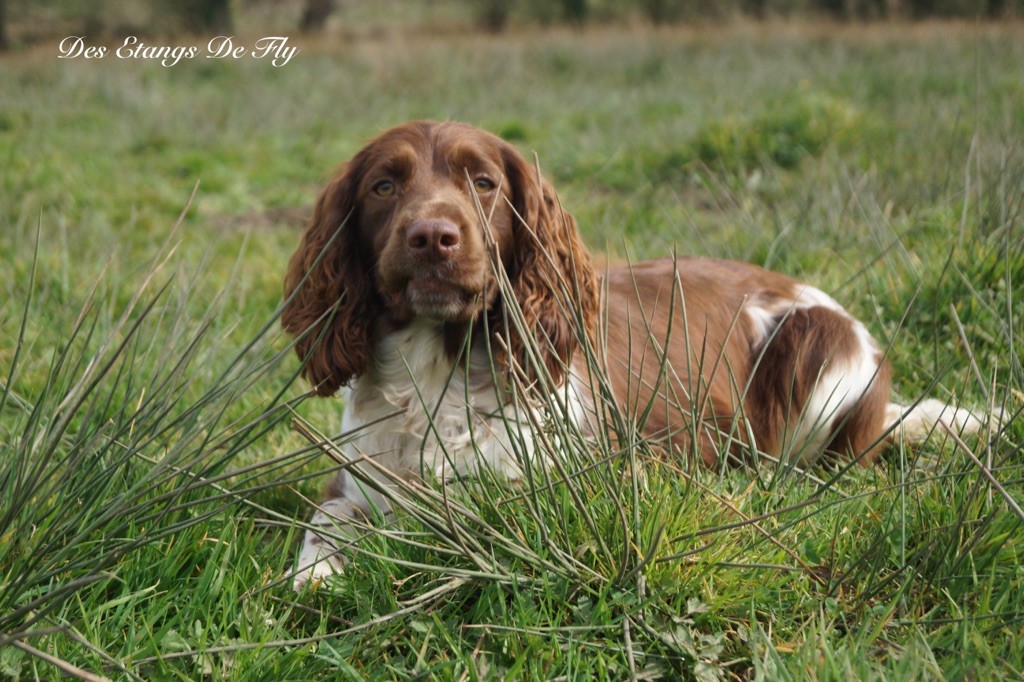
<point>433,239</point>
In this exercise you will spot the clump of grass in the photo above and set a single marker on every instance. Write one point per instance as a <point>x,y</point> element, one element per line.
<point>119,452</point>
<point>780,135</point>
<point>513,131</point>
<point>785,134</point>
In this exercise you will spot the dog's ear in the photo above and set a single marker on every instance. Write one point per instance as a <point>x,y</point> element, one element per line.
<point>330,301</point>
<point>551,274</point>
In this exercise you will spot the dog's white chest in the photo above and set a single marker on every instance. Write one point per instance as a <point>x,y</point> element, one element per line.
<point>418,412</point>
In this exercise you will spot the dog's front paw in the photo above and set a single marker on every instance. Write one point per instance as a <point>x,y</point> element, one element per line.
<point>318,560</point>
<point>316,573</point>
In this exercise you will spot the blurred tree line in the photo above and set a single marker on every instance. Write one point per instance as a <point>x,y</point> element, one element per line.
<point>496,14</point>
<point>40,19</point>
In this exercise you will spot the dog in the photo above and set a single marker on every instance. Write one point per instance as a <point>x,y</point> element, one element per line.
<point>439,265</point>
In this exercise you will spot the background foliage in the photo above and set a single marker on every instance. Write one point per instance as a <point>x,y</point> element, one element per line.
<point>34,21</point>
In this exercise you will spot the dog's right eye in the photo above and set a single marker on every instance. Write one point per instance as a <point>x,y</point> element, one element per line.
<point>384,188</point>
<point>483,185</point>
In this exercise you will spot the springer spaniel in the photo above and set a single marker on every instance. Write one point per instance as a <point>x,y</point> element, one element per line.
<point>395,295</point>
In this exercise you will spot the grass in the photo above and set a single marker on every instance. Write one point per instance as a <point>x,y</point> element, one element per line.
<point>150,478</point>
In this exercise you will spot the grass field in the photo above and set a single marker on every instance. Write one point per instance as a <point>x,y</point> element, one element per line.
<point>149,475</point>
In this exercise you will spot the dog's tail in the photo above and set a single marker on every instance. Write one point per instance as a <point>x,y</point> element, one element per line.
<point>917,422</point>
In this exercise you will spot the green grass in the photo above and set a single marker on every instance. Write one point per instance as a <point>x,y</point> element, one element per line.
<point>149,477</point>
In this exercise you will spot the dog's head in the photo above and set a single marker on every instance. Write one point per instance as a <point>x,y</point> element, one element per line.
<point>398,235</point>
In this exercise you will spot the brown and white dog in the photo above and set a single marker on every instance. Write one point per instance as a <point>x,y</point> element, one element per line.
<point>394,296</point>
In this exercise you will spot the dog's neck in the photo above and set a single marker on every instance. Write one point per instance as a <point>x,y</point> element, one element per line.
<point>454,337</point>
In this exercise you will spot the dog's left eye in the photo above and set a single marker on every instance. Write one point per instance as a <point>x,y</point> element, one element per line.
<point>384,188</point>
<point>483,185</point>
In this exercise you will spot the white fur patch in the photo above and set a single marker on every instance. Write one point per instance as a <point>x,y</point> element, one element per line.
<point>454,422</point>
<point>841,384</point>
<point>451,424</point>
<point>766,311</point>
<point>842,381</point>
